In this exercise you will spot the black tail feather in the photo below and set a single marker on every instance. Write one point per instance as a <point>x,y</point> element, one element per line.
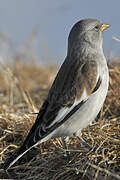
<point>13,158</point>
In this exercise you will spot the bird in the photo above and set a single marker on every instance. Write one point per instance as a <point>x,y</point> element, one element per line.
<point>77,93</point>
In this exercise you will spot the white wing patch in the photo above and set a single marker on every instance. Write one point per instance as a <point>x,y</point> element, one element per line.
<point>64,111</point>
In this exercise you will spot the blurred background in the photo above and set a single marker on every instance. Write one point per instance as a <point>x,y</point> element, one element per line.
<point>39,29</point>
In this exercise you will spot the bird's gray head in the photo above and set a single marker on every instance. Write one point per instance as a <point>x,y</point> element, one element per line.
<point>87,31</point>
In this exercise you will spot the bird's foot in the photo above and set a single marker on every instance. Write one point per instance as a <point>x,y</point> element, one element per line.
<point>84,143</point>
<point>65,146</point>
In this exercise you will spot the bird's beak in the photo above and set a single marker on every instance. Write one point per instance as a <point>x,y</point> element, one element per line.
<point>104,27</point>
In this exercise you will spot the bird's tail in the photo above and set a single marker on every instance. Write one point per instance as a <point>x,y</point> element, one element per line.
<point>14,157</point>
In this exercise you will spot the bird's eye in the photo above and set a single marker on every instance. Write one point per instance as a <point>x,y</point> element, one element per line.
<point>96,28</point>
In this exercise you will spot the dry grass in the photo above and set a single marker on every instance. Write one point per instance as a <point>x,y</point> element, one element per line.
<point>22,91</point>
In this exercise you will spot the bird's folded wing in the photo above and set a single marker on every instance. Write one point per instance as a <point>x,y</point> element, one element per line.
<point>72,87</point>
